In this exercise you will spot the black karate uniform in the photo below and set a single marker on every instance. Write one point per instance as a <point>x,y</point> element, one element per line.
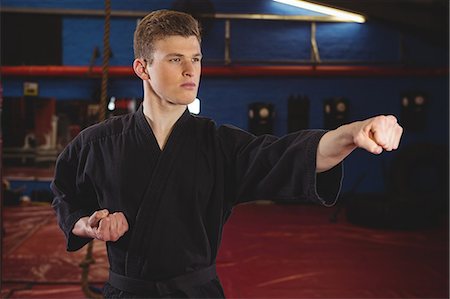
<point>177,200</point>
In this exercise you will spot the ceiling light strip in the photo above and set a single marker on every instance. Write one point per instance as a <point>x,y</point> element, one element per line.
<point>339,13</point>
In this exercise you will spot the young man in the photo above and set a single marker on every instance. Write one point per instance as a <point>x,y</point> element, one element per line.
<point>158,185</point>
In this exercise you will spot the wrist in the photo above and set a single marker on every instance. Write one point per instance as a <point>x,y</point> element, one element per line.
<point>334,146</point>
<point>346,135</point>
<point>339,141</point>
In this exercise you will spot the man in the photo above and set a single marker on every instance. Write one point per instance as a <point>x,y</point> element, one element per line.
<point>158,185</point>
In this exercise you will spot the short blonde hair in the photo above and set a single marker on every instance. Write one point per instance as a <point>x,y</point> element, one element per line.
<point>160,24</point>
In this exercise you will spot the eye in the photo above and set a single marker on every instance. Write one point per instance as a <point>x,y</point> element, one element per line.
<point>177,59</point>
<point>196,59</point>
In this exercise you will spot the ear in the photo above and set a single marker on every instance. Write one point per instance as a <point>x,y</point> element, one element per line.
<point>139,68</point>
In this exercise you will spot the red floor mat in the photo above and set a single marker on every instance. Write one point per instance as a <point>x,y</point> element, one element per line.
<point>268,251</point>
<point>34,249</point>
<point>294,251</point>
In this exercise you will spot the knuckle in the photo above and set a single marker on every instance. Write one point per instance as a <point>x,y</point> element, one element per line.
<point>381,117</point>
<point>392,118</point>
<point>99,236</point>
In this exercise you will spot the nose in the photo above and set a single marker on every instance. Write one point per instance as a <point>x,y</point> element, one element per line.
<point>189,69</point>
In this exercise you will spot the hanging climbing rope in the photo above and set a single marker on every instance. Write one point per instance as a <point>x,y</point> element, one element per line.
<point>105,64</point>
<point>85,264</point>
<point>88,259</point>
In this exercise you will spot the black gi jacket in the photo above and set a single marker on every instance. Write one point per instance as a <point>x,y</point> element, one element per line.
<point>177,200</point>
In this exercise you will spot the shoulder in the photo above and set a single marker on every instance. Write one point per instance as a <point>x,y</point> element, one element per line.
<point>203,122</point>
<point>100,132</point>
<point>230,131</point>
<point>108,128</point>
<point>220,131</point>
<point>232,139</point>
<point>102,135</point>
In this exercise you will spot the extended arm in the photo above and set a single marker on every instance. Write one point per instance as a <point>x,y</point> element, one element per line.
<point>374,135</point>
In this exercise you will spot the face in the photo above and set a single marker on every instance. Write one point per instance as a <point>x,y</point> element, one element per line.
<point>174,72</point>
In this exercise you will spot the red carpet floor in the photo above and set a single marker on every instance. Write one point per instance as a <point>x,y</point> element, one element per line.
<point>268,251</point>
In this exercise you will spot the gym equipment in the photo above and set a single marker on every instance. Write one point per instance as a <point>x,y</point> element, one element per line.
<point>260,118</point>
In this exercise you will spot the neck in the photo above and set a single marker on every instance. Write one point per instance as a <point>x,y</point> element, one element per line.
<point>161,116</point>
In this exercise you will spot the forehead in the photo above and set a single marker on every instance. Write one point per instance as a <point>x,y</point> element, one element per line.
<point>177,44</point>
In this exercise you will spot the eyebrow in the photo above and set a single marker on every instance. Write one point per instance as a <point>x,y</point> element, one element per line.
<point>181,55</point>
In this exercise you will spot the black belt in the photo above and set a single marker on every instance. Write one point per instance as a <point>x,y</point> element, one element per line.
<point>163,287</point>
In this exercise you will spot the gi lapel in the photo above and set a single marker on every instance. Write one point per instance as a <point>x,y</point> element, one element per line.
<point>149,206</point>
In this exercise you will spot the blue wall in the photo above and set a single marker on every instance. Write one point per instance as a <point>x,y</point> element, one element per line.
<point>226,99</point>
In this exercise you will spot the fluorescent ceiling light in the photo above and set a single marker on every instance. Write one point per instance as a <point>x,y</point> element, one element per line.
<point>339,13</point>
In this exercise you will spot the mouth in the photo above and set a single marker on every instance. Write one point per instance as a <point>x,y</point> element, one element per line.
<point>189,85</point>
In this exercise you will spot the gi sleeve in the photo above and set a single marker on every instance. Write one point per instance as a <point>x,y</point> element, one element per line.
<point>269,167</point>
<point>75,196</point>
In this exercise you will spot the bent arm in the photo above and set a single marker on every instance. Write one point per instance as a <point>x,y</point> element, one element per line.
<point>74,194</point>
<point>374,135</point>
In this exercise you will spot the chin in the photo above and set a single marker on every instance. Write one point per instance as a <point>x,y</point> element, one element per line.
<point>186,100</point>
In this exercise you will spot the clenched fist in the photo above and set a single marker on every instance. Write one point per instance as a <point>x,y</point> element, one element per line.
<point>374,135</point>
<point>102,225</point>
<point>377,134</point>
